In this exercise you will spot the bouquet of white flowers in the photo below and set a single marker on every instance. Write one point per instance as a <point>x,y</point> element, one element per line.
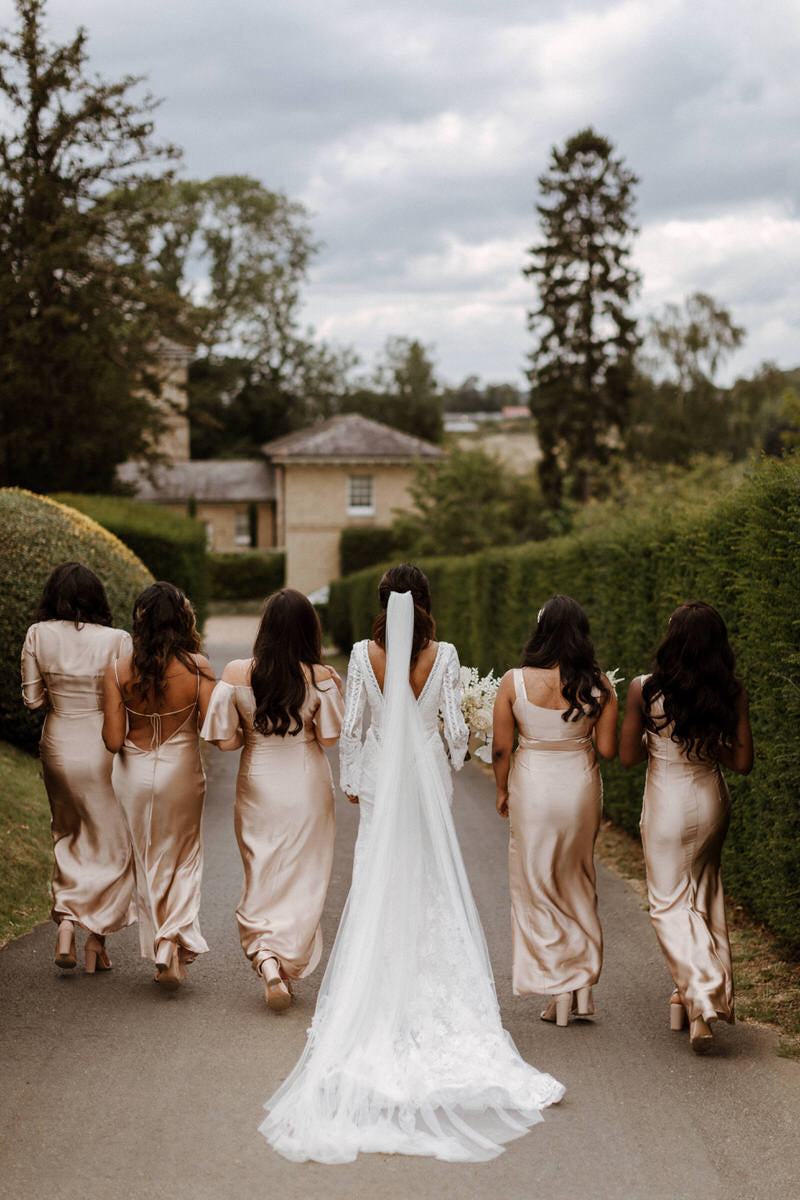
<point>614,678</point>
<point>477,706</point>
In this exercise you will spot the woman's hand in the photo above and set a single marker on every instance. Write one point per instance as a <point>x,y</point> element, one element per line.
<point>352,799</point>
<point>502,802</point>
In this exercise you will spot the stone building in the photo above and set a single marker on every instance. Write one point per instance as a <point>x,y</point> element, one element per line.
<point>343,472</point>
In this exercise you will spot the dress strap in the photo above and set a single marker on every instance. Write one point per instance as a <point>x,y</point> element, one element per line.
<point>519,684</point>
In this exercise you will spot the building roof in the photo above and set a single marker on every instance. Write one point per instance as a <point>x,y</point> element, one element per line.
<point>349,437</point>
<point>210,480</point>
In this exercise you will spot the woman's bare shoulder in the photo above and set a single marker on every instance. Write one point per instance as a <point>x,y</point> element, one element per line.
<point>237,672</point>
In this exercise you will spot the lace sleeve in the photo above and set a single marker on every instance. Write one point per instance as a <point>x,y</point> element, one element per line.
<point>34,691</point>
<point>350,738</point>
<point>455,728</point>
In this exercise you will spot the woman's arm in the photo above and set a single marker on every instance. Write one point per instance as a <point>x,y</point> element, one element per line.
<point>221,720</point>
<point>350,746</point>
<point>34,692</point>
<point>205,689</point>
<point>455,727</point>
<point>115,718</point>
<point>739,756</point>
<point>631,743</point>
<point>503,726</point>
<point>605,735</point>
<point>330,711</point>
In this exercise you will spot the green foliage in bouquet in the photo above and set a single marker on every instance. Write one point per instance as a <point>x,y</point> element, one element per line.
<point>741,554</point>
<point>36,534</point>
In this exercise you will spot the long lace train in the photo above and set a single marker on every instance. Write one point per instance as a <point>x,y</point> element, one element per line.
<point>406,1052</point>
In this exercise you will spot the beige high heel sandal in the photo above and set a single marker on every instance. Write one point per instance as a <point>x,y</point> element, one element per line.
<point>583,1001</point>
<point>276,991</point>
<point>557,1010</point>
<point>700,1035</point>
<point>677,1013</point>
<point>66,955</point>
<point>95,957</point>
<point>170,972</point>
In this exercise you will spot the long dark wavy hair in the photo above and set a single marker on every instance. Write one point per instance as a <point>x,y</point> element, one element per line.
<point>562,638</point>
<point>693,672</point>
<point>405,577</point>
<point>163,628</point>
<point>288,637</point>
<point>74,592</point>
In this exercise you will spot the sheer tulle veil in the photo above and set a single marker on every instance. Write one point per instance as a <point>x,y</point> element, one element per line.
<point>406,1052</point>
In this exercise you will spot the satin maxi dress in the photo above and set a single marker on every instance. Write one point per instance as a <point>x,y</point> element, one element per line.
<point>63,668</point>
<point>162,791</point>
<point>284,823</point>
<point>685,815</point>
<point>555,801</point>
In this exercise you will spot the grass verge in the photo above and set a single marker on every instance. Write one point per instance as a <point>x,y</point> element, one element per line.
<point>25,844</point>
<point>766,980</point>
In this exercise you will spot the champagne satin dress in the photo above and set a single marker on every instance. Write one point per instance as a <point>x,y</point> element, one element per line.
<point>63,668</point>
<point>284,824</point>
<point>162,790</point>
<point>555,800</point>
<point>685,814</point>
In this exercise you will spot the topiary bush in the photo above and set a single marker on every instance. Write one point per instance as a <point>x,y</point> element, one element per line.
<point>36,534</point>
<point>248,575</point>
<point>741,554</point>
<point>172,546</point>
<point>363,546</point>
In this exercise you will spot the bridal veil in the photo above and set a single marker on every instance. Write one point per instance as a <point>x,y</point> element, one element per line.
<point>406,1053</point>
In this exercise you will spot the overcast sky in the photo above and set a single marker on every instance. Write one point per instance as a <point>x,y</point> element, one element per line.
<point>414,133</point>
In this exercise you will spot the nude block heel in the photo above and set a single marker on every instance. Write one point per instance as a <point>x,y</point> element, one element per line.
<point>557,1010</point>
<point>95,958</point>
<point>677,1013</point>
<point>66,956</point>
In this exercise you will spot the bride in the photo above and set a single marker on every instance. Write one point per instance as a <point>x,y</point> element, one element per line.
<point>406,1053</point>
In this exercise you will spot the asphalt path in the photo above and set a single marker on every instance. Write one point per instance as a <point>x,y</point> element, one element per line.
<point>112,1088</point>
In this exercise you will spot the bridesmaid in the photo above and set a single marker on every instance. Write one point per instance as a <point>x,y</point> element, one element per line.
<point>63,660</point>
<point>155,698</point>
<point>563,709</point>
<point>688,718</point>
<point>283,706</point>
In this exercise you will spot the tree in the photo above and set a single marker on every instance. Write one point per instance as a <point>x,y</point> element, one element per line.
<point>468,502</point>
<point>678,410</point>
<point>79,310</point>
<point>582,363</point>
<point>403,391</point>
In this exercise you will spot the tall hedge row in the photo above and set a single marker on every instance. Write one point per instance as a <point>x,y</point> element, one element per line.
<point>250,575</point>
<point>171,546</point>
<point>741,554</point>
<point>36,535</point>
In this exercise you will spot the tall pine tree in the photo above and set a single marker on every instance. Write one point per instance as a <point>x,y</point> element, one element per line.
<point>582,365</point>
<point>79,311</point>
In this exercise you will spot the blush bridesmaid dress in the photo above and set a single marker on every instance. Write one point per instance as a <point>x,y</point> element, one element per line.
<point>284,823</point>
<point>555,798</point>
<point>62,669</point>
<point>685,814</point>
<point>162,791</point>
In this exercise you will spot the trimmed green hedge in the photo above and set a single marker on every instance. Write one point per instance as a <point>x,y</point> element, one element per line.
<point>741,554</point>
<point>248,575</point>
<point>173,547</point>
<point>36,534</point>
<point>363,546</point>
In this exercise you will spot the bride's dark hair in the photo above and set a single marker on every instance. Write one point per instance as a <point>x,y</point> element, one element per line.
<point>288,636</point>
<point>163,628</point>
<point>694,675</point>
<point>405,577</point>
<point>562,638</point>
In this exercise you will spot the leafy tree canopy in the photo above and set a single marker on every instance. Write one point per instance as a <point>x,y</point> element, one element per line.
<point>79,311</point>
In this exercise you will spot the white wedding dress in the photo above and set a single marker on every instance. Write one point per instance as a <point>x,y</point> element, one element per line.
<point>406,1053</point>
